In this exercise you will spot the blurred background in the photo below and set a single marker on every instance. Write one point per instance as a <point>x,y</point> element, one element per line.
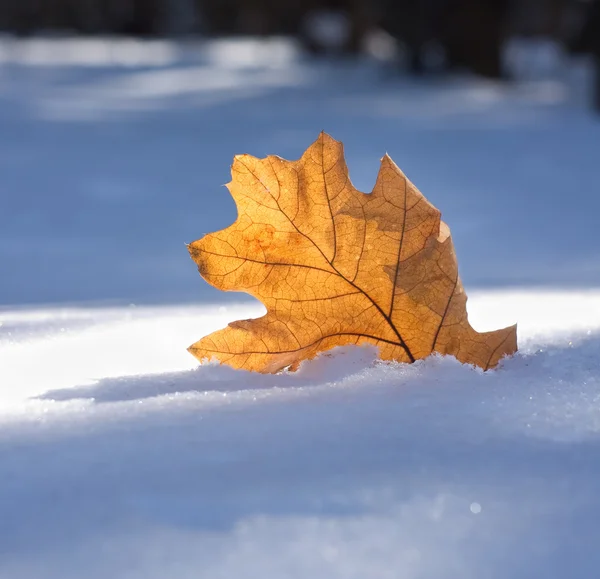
<point>119,120</point>
<point>466,33</point>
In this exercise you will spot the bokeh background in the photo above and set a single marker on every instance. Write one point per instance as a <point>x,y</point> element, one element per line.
<point>119,120</point>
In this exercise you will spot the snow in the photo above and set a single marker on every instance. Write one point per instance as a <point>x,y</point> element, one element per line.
<point>121,457</point>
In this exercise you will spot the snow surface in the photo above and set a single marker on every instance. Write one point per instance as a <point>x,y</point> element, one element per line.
<point>120,457</point>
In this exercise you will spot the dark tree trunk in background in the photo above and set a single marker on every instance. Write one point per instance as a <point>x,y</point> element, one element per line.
<point>217,16</point>
<point>596,96</point>
<point>289,17</point>
<point>257,17</point>
<point>360,19</point>
<point>594,24</point>
<point>413,22</point>
<point>586,40</point>
<point>144,19</point>
<point>473,34</point>
<point>22,16</point>
<point>590,41</point>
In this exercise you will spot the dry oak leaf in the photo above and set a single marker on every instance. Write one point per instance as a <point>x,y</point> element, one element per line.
<point>335,266</point>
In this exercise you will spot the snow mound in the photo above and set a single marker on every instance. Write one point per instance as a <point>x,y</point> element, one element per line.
<point>122,457</point>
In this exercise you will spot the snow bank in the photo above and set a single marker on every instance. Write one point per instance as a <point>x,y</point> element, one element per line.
<point>122,458</point>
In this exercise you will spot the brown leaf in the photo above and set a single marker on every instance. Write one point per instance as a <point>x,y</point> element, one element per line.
<point>335,266</point>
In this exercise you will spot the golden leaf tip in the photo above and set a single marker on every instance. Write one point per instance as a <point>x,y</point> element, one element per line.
<point>323,136</point>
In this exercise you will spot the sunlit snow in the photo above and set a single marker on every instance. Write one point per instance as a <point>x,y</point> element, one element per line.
<point>121,457</point>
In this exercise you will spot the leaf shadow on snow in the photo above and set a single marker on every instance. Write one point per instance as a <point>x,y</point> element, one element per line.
<point>575,354</point>
<point>340,364</point>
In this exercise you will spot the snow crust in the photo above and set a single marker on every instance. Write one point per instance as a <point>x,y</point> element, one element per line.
<point>120,457</point>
